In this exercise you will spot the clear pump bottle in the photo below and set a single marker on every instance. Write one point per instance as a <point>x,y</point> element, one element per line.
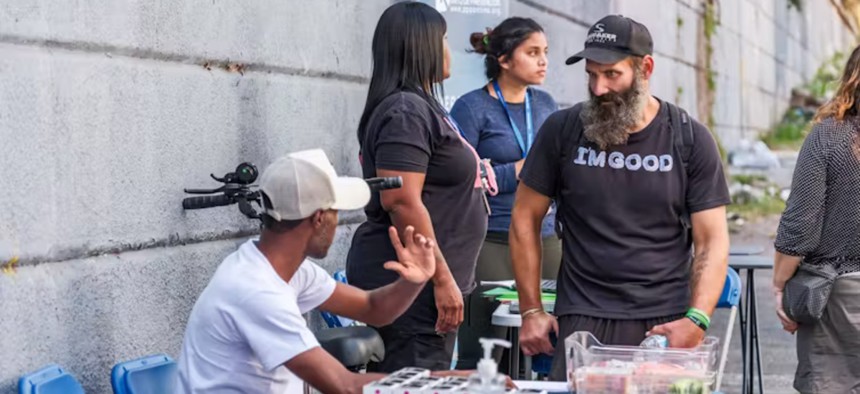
<point>488,380</point>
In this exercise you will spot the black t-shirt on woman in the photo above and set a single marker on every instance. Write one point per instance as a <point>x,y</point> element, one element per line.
<point>405,133</point>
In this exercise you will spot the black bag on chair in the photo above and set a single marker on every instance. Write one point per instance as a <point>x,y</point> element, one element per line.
<point>806,293</point>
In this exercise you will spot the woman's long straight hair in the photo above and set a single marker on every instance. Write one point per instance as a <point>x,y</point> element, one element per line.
<point>408,55</point>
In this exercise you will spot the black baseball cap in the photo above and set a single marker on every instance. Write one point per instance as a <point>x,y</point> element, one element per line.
<point>614,38</point>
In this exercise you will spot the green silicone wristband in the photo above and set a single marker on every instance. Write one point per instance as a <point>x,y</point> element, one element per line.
<point>699,315</point>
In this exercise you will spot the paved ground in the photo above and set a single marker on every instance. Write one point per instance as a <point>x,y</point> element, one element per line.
<point>777,346</point>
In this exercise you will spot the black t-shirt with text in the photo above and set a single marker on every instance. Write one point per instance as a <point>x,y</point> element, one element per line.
<point>625,253</point>
<point>405,133</point>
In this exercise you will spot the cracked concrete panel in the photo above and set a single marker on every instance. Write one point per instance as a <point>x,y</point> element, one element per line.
<point>276,33</point>
<point>89,314</point>
<point>111,143</point>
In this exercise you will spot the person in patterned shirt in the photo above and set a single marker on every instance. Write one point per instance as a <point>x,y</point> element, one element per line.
<point>821,226</point>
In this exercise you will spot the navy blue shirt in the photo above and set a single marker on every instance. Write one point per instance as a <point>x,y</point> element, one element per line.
<point>486,126</point>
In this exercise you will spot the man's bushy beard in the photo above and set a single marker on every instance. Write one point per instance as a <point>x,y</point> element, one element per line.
<point>608,119</point>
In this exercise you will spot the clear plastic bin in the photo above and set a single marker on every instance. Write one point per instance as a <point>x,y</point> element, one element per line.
<point>596,368</point>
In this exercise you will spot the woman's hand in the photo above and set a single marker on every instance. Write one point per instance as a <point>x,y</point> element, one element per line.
<point>787,324</point>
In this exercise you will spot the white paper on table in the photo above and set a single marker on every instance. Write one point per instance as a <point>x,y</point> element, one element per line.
<point>550,387</point>
<point>499,283</point>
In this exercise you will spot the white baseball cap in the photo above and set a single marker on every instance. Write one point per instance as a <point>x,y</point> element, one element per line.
<point>302,183</point>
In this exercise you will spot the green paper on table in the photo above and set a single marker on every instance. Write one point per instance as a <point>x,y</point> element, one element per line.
<point>506,294</point>
<point>498,292</point>
<point>544,297</point>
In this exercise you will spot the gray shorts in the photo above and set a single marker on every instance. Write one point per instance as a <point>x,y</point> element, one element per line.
<point>828,352</point>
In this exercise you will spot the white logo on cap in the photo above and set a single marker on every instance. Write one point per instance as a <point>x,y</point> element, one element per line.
<point>599,35</point>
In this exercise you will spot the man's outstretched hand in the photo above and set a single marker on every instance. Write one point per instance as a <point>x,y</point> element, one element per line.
<point>416,256</point>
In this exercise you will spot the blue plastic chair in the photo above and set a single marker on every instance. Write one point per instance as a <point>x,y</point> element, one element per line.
<point>332,320</point>
<point>730,298</point>
<point>51,379</point>
<point>155,374</point>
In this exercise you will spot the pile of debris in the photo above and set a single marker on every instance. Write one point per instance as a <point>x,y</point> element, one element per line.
<point>753,156</point>
<point>754,195</point>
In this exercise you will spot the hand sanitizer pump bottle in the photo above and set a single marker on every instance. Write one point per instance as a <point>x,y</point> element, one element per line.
<point>488,380</point>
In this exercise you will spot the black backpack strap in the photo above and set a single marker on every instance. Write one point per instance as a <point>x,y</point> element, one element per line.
<point>682,135</point>
<point>573,135</point>
<point>573,125</point>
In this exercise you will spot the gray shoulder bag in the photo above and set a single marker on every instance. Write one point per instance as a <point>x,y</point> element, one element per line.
<point>806,293</point>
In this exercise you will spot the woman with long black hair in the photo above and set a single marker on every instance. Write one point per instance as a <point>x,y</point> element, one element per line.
<point>404,131</point>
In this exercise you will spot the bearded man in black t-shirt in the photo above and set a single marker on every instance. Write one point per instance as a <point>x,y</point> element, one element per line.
<point>639,185</point>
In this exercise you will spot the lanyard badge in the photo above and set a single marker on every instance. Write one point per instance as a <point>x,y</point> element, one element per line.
<point>530,132</point>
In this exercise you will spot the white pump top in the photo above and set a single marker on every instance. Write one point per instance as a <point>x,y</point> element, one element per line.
<point>487,368</point>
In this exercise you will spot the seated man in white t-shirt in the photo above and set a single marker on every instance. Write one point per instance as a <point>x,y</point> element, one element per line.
<point>246,332</point>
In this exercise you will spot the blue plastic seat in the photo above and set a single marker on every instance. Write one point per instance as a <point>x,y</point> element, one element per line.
<point>731,295</point>
<point>332,320</point>
<point>51,379</point>
<point>730,298</point>
<point>155,374</point>
<point>542,364</point>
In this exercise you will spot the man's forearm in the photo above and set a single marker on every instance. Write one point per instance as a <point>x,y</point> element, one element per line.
<point>352,383</point>
<point>388,302</point>
<point>323,372</point>
<point>525,244</point>
<point>708,276</point>
<point>416,215</point>
<point>359,380</point>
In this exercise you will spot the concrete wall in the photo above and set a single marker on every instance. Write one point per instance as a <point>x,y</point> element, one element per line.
<point>762,49</point>
<point>107,112</point>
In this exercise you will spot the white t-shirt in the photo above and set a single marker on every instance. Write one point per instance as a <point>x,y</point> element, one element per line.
<point>247,323</point>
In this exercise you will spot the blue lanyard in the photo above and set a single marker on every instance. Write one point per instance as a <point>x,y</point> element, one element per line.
<point>530,132</point>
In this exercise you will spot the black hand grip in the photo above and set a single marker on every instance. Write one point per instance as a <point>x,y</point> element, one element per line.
<point>377,184</point>
<point>217,200</point>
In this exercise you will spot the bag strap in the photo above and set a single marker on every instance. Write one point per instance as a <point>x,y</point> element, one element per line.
<point>681,127</point>
<point>573,127</point>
